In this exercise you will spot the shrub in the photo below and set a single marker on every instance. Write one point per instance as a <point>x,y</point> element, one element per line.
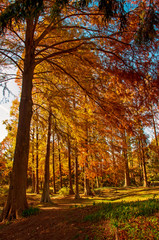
<point>30,211</point>
<point>64,191</point>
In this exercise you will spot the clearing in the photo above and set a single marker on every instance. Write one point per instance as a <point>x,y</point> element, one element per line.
<point>65,218</point>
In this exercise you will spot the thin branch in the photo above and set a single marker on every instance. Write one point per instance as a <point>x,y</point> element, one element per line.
<point>12,61</point>
<point>58,53</point>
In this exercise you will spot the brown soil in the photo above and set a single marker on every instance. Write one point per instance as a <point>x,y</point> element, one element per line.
<point>56,222</point>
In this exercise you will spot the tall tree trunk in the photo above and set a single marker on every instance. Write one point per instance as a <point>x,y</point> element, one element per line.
<point>155,132</point>
<point>69,165</point>
<point>45,195</point>
<point>145,184</point>
<point>140,161</point>
<point>77,196</point>
<point>53,161</point>
<point>156,139</point>
<point>37,158</point>
<point>60,167</point>
<point>87,189</point>
<point>113,159</point>
<point>97,181</point>
<point>16,201</point>
<point>33,163</point>
<point>126,167</point>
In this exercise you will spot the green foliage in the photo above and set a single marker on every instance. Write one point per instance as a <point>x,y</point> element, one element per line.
<point>18,11</point>
<point>124,211</point>
<point>57,7</point>
<point>64,191</point>
<point>30,211</point>
<point>110,9</point>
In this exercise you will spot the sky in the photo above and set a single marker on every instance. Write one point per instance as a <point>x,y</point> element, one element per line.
<point>5,104</point>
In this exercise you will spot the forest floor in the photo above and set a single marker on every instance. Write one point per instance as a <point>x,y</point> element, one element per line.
<point>64,219</point>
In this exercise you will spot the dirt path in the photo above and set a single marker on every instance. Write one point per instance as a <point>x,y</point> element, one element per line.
<point>58,222</point>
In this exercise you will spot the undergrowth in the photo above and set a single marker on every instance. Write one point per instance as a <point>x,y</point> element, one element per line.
<point>30,211</point>
<point>133,220</point>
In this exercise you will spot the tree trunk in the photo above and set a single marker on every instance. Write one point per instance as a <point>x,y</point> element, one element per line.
<point>45,195</point>
<point>145,184</point>
<point>69,166</point>
<point>37,158</point>
<point>156,139</point>
<point>87,190</point>
<point>60,167</point>
<point>126,168</point>
<point>113,158</point>
<point>33,162</point>
<point>154,127</point>
<point>77,196</point>
<point>53,162</point>
<point>140,161</point>
<point>16,201</point>
<point>97,181</point>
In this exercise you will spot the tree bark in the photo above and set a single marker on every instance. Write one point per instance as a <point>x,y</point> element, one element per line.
<point>77,196</point>
<point>145,184</point>
<point>33,163</point>
<point>69,165</point>
<point>113,158</point>
<point>16,201</point>
<point>45,195</point>
<point>87,189</point>
<point>53,161</point>
<point>97,181</point>
<point>37,158</point>
<point>126,170</point>
<point>60,167</point>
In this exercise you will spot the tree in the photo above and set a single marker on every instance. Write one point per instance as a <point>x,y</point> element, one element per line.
<point>45,195</point>
<point>33,49</point>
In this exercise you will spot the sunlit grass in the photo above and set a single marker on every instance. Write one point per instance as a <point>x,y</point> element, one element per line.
<point>105,195</point>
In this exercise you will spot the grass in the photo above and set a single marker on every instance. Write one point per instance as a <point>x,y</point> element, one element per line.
<point>30,211</point>
<point>131,213</point>
<point>131,220</point>
<point>105,195</point>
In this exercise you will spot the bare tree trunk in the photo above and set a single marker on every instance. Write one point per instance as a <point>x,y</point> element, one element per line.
<point>87,189</point>
<point>69,165</point>
<point>126,170</point>
<point>113,158</point>
<point>156,139</point>
<point>145,184</point>
<point>77,196</point>
<point>45,195</point>
<point>140,161</point>
<point>154,126</point>
<point>37,158</point>
<point>53,161</point>
<point>97,181</point>
<point>33,163</point>
<point>16,201</point>
<point>60,167</point>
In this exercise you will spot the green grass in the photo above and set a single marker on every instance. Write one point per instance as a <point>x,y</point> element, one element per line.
<point>30,211</point>
<point>133,220</point>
